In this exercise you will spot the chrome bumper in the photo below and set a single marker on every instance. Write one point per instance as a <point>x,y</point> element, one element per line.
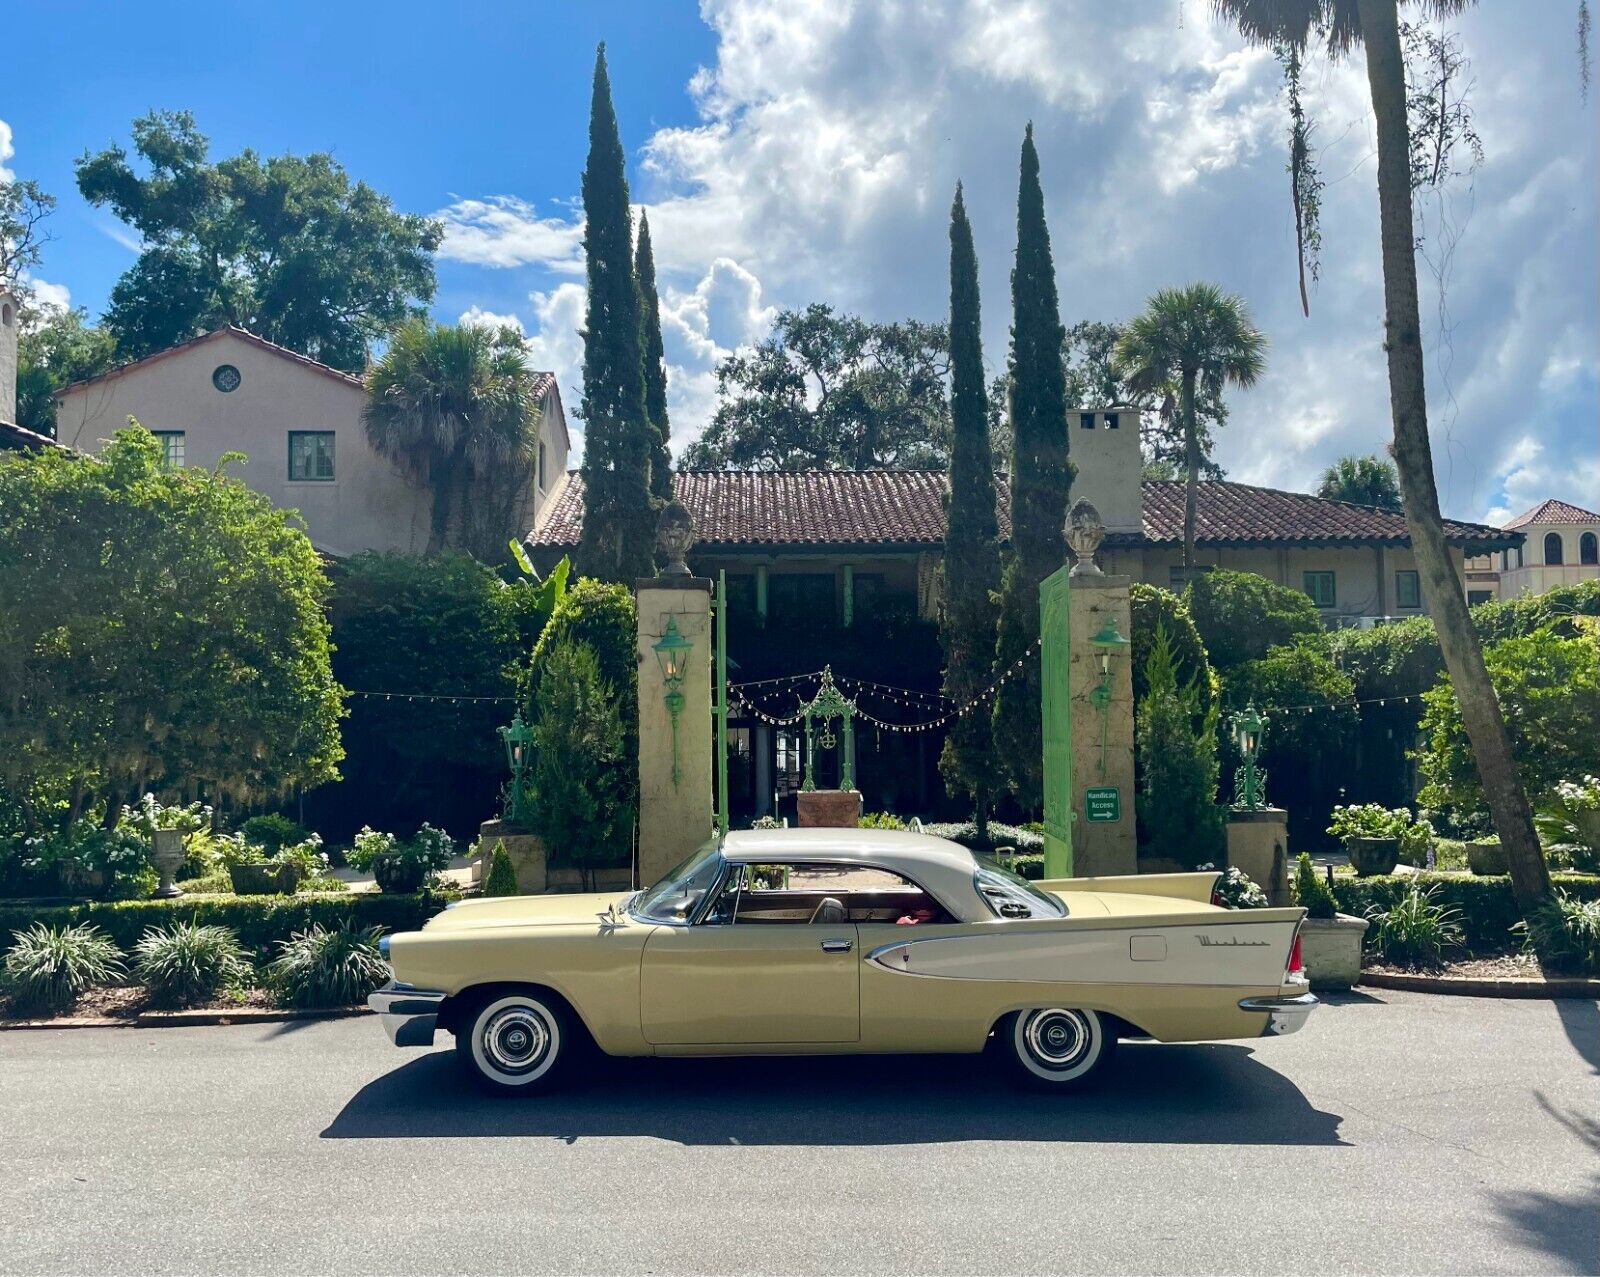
<point>409,1015</point>
<point>1284,1014</point>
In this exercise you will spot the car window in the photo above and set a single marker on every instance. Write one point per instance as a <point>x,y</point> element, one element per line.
<point>1010,895</point>
<point>676,897</point>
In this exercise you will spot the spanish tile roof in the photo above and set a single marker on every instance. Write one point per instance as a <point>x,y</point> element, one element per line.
<point>546,380</point>
<point>1555,512</point>
<point>904,509</point>
<point>15,438</point>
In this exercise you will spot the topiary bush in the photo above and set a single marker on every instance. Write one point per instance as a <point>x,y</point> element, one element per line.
<point>320,967</point>
<point>1311,891</point>
<point>48,967</point>
<point>187,964</point>
<point>1176,741</point>
<point>501,880</point>
<point>1240,616</point>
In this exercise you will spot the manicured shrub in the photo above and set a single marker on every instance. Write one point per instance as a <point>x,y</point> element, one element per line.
<point>1565,934</point>
<point>1416,930</point>
<point>319,967</point>
<point>1487,909</point>
<point>187,964</point>
<point>1176,742</point>
<point>260,922</point>
<point>602,617</point>
<point>1241,616</point>
<point>501,880</point>
<point>1311,891</point>
<point>48,967</point>
<point>272,831</point>
<point>1024,841</point>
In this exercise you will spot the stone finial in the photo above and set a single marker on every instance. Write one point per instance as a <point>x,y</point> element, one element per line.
<point>1085,530</point>
<point>674,536</point>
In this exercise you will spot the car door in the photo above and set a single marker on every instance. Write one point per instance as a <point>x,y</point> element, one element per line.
<point>742,984</point>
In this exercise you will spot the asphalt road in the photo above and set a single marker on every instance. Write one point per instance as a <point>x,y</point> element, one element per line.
<point>1397,1133</point>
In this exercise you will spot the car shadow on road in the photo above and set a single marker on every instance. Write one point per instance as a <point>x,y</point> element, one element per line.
<point>1192,1094</point>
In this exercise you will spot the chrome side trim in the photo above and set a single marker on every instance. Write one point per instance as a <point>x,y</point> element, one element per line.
<point>1285,1015</point>
<point>409,1015</point>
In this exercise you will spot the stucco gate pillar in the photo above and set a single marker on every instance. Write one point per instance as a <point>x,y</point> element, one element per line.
<point>1100,678</point>
<point>675,807</point>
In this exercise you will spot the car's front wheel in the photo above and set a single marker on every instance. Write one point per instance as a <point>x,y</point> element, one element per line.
<point>516,1042</point>
<point>1058,1048</point>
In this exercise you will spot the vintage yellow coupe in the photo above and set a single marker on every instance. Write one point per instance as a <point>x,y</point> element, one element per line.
<point>827,941</point>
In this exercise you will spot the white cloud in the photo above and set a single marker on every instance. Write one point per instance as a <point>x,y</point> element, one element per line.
<point>7,150</point>
<point>830,138</point>
<point>502,230</point>
<point>55,296</point>
<point>480,318</point>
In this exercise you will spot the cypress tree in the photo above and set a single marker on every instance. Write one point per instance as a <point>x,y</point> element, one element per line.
<point>655,366</point>
<point>1041,478</point>
<point>971,545</point>
<point>618,542</point>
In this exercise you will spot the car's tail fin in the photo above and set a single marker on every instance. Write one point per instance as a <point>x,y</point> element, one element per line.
<point>1187,886</point>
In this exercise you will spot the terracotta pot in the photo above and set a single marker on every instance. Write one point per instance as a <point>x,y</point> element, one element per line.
<point>1369,856</point>
<point>264,879</point>
<point>1331,950</point>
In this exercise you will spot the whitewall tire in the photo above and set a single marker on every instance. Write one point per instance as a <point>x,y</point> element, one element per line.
<point>1058,1048</point>
<point>516,1043</point>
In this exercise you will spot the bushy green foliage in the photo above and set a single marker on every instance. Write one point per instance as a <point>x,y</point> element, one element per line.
<point>1398,659</point>
<point>1549,691</point>
<point>1241,616</point>
<point>654,359</point>
<point>86,857</point>
<point>583,789</point>
<point>1373,820</point>
<point>1363,480</point>
<point>446,625</point>
<point>1151,606</point>
<point>501,880</point>
<point>1178,816</point>
<point>187,964</point>
<point>1041,480</point>
<point>1416,930</point>
<point>260,922</point>
<point>1235,889</point>
<point>618,541</point>
<point>1488,911</point>
<point>319,967</point>
<point>880,820</point>
<point>156,626</point>
<point>1565,934</point>
<point>971,563</point>
<point>46,968</point>
<point>58,347</point>
<point>271,831</point>
<point>1560,609</point>
<point>1310,889</point>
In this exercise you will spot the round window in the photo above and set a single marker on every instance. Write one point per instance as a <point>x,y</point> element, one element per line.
<point>225,378</point>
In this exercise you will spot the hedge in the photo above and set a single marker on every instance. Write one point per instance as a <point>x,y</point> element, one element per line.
<point>260,922</point>
<point>1488,909</point>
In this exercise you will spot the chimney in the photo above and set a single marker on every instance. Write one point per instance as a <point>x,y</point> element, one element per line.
<point>8,355</point>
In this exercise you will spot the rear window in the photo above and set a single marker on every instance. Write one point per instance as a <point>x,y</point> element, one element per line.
<point>1010,895</point>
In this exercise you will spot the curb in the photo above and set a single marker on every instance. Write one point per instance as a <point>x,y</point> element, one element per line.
<point>187,1019</point>
<point>1466,986</point>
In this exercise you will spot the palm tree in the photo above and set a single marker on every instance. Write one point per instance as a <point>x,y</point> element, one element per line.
<point>1343,24</point>
<point>1363,480</point>
<point>455,407</point>
<point>1190,338</point>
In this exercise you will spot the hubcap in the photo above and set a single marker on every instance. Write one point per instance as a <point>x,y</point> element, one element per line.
<point>516,1039</point>
<point>1057,1038</point>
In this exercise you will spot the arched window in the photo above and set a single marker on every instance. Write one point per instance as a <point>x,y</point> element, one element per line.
<point>1552,549</point>
<point>1588,548</point>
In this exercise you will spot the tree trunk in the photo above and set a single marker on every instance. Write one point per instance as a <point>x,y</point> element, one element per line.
<point>1191,465</point>
<point>442,473</point>
<point>1442,589</point>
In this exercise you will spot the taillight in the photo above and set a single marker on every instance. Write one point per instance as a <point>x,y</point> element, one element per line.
<point>1216,898</point>
<point>1296,966</point>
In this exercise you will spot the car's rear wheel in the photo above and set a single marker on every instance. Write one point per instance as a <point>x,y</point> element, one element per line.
<point>516,1042</point>
<point>1058,1048</point>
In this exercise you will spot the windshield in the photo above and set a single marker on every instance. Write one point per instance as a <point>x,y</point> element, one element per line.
<point>1011,895</point>
<point>676,897</point>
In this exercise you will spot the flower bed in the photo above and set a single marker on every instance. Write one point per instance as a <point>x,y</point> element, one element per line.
<point>1487,909</point>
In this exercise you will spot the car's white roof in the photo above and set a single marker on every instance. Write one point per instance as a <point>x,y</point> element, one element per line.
<point>941,866</point>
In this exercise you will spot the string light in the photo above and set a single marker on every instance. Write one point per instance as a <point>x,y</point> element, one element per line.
<point>428,697</point>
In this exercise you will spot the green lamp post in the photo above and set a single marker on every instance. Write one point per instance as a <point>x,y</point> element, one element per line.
<point>1249,782</point>
<point>518,738</point>
<point>672,655</point>
<point>1107,642</point>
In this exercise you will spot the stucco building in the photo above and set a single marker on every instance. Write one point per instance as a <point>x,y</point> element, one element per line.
<point>298,422</point>
<point>1560,546</point>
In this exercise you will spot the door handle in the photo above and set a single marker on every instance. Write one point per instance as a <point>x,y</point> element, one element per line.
<point>837,946</point>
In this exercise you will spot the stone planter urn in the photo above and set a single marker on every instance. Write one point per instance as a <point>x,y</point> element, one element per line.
<point>1369,856</point>
<point>1331,950</point>
<point>262,879</point>
<point>166,854</point>
<point>398,874</point>
<point>1487,858</point>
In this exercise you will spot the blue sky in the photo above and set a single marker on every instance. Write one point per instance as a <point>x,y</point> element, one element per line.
<point>800,150</point>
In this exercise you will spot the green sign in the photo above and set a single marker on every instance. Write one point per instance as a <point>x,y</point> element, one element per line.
<point>1102,804</point>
